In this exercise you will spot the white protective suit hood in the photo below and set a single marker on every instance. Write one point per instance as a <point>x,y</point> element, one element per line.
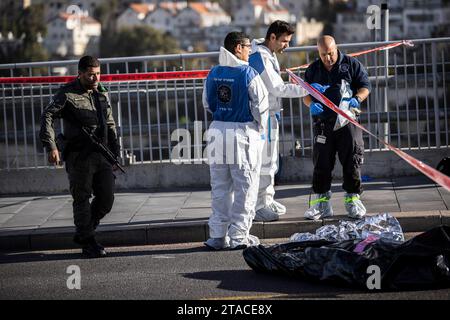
<point>272,79</point>
<point>227,59</point>
<point>256,44</point>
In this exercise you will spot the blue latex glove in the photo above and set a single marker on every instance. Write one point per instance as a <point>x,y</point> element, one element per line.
<point>319,87</point>
<point>315,108</point>
<point>354,103</point>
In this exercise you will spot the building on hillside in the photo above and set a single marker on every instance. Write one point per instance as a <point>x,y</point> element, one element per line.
<point>69,36</point>
<point>134,15</point>
<point>215,36</point>
<point>408,19</point>
<point>307,30</point>
<point>194,22</point>
<point>163,17</point>
<point>54,7</point>
<point>255,16</point>
<point>299,8</point>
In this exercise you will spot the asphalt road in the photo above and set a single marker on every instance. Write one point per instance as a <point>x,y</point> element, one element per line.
<point>172,272</point>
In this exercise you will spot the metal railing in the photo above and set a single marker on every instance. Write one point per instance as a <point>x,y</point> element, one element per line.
<point>147,113</point>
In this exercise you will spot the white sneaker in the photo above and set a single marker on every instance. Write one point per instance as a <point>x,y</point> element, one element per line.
<point>250,241</point>
<point>266,215</point>
<point>218,243</point>
<point>277,207</point>
<point>353,205</point>
<point>320,207</point>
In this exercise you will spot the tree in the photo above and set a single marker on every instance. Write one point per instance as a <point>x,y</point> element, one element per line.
<point>27,26</point>
<point>32,25</point>
<point>107,14</point>
<point>141,40</point>
<point>31,22</point>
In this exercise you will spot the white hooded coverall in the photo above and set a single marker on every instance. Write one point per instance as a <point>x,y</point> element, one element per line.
<point>266,63</point>
<point>236,96</point>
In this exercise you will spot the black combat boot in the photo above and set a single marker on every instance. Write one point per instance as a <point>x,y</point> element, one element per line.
<point>90,247</point>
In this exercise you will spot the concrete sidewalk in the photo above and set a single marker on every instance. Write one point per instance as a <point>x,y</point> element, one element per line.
<point>145,217</point>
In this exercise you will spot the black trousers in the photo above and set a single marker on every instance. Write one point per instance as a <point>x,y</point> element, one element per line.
<point>348,143</point>
<point>89,175</point>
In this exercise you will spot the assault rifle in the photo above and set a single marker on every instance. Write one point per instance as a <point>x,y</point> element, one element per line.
<point>104,150</point>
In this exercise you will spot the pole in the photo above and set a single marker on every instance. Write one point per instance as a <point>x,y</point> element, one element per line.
<point>385,36</point>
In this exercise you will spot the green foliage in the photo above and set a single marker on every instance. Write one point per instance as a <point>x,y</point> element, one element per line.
<point>31,22</point>
<point>107,14</point>
<point>137,41</point>
<point>25,25</point>
<point>8,20</point>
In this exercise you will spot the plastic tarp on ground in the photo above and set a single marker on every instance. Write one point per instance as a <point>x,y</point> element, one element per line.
<point>420,263</point>
<point>382,225</point>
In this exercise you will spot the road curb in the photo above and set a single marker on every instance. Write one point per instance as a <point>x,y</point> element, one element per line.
<point>190,231</point>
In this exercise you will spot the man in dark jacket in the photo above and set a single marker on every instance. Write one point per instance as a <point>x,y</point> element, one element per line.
<point>84,103</point>
<point>335,69</point>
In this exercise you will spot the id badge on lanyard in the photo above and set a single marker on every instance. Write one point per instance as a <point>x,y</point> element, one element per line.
<point>321,138</point>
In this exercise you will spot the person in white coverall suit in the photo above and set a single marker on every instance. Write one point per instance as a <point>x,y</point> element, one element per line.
<point>236,96</point>
<point>264,60</point>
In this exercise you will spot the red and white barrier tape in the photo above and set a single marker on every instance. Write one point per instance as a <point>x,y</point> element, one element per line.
<point>163,76</point>
<point>355,54</point>
<point>149,76</point>
<point>430,172</point>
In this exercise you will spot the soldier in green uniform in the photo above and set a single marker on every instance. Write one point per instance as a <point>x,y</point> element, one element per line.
<point>84,103</point>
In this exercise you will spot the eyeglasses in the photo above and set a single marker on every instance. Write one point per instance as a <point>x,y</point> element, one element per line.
<point>248,45</point>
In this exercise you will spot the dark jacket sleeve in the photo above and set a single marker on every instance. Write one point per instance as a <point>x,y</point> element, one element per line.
<point>308,74</point>
<point>113,141</point>
<point>360,76</point>
<point>51,112</point>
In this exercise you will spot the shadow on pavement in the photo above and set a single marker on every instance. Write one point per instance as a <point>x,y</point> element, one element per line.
<point>275,287</point>
<point>75,254</point>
